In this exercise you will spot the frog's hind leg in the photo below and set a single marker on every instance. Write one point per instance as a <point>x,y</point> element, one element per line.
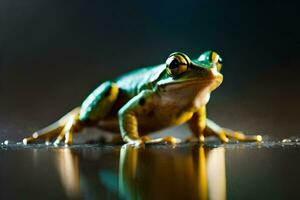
<point>55,129</point>
<point>94,108</point>
<point>225,134</point>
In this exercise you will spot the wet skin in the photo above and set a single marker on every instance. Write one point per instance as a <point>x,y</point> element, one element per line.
<point>150,99</point>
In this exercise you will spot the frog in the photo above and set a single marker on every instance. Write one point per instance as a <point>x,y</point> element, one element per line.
<point>150,99</point>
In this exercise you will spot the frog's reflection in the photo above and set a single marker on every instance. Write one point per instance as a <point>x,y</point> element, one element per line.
<point>165,174</point>
<point>150,173</point>
<point>68,168</point>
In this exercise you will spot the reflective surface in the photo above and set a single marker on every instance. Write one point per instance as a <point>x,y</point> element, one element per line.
<point>52,55</point>
<point>188,171</point>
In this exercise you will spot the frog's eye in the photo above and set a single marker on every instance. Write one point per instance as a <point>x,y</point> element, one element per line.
<point>176,64</point>
<point>216,59</point>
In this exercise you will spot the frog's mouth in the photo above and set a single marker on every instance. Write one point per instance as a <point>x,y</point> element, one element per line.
<point>212,81</point>
<point>196,83</point>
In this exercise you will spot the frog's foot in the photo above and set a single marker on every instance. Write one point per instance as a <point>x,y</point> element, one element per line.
<point>239,136</point>
<point>225,134</point>
<point>36,136</point>
<point>61,129</point>
<point>68,131</point>
<point>136,141</point>
<point>164,140</point>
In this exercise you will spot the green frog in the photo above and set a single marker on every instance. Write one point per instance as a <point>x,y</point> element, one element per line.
<point>150,99</point>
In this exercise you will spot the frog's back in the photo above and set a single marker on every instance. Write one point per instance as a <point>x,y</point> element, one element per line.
<point>110,96</point>
<point>135,81</point>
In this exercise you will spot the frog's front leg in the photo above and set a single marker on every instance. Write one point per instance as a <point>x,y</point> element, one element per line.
<point>197,125</point>
<point>128,121</point>
<point>201,127</point>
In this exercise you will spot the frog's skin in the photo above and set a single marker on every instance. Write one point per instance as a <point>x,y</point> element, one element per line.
<point>150,99</point>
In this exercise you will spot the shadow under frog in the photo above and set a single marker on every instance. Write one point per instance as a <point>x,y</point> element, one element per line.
<point>193,172</point>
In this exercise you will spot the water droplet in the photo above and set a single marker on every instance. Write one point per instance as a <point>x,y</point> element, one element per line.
<point>286,140</point>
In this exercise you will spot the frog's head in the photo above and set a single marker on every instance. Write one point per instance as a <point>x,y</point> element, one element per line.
<point>181,70</point>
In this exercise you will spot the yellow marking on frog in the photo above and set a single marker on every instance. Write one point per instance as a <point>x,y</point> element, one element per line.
<point>105,104</point>
<point>183,117</point>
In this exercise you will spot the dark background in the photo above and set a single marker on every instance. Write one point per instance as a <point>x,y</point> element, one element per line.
<point>54,53</point>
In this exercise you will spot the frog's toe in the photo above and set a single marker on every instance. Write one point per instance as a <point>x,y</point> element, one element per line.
<point>25,141</point>
<point>36,136</point>
<point>171,140</point>
<point>136,143</point>
<point>69,137</point>
<point>259,138</point>
<point>223,137</point>
<point>68,141</point>
<point>59,138</point>
<point>28,140</point>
